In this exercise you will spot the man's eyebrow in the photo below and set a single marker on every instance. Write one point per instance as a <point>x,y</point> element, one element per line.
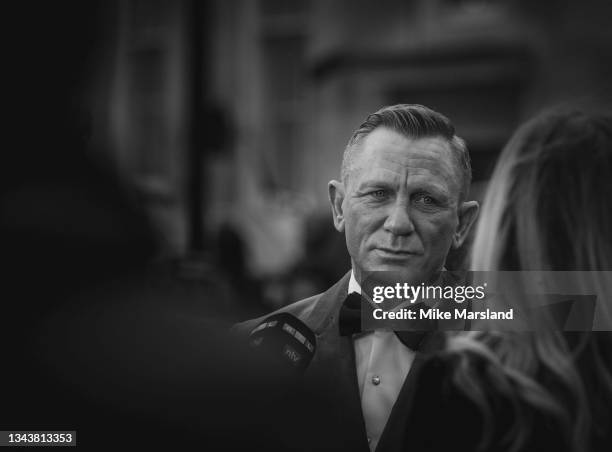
<point>431,187</point>
<point>371,183</point>
<point>442,195</point>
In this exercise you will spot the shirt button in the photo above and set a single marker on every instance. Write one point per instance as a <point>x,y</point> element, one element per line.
<point>369,440</point>
<point>375,380</point>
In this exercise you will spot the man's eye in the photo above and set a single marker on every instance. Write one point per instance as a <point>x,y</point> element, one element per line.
<point>425,200</point>
<point>379,194</point>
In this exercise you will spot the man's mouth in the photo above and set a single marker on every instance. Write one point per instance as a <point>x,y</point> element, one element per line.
<point>397,252</point>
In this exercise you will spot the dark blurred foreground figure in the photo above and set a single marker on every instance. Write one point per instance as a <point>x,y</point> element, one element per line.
<point>549,207</point>
<point>96,335</point>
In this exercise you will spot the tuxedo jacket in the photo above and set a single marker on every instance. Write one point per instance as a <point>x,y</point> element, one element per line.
<point>332,401</point>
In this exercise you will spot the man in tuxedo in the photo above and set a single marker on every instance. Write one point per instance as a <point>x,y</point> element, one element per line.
<point>401,203</point>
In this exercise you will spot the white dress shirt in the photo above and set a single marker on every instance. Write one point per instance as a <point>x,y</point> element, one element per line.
<point>382,363</point>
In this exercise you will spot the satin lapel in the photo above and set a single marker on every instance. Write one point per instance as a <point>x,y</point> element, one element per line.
<point>394,434</point>
<point>332,378</point>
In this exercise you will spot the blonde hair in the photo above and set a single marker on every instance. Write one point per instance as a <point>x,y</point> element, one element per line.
<point>548,207</point>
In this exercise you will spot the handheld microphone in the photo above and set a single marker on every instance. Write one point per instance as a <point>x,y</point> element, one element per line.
<point>286,342</point>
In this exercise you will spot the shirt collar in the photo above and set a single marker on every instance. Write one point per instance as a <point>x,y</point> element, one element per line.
<point>353,284</point>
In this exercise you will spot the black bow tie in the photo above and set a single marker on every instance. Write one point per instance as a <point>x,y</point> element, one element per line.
<point>349,322</point>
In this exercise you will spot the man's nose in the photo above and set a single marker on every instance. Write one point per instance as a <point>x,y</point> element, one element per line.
<point>398,221</point>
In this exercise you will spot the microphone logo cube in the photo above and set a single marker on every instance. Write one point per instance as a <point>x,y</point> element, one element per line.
<point>292,355</point>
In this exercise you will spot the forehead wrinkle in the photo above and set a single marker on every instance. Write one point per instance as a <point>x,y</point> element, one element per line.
<point>416,163</point>
<point>424,166</point>
<point>402,144</point>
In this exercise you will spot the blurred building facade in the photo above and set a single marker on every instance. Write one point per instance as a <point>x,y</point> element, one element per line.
<point>238,111</point>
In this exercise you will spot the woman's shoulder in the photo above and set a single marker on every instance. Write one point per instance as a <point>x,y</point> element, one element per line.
<point>463,402</point>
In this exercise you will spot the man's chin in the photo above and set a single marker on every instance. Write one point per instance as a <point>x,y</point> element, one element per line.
<point>391,273</point>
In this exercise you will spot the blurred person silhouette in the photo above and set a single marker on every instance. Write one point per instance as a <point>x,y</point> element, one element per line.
<point>548,207</point>
<point>98,335</point>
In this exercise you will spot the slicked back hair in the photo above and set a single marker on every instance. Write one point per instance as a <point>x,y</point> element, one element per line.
<point>412,121</point>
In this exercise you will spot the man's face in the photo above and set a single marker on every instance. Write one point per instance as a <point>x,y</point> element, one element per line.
<point>400,209</point>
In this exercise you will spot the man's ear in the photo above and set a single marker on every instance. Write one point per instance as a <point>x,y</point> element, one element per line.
<point>336,198</point>
<point>468,212</point>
